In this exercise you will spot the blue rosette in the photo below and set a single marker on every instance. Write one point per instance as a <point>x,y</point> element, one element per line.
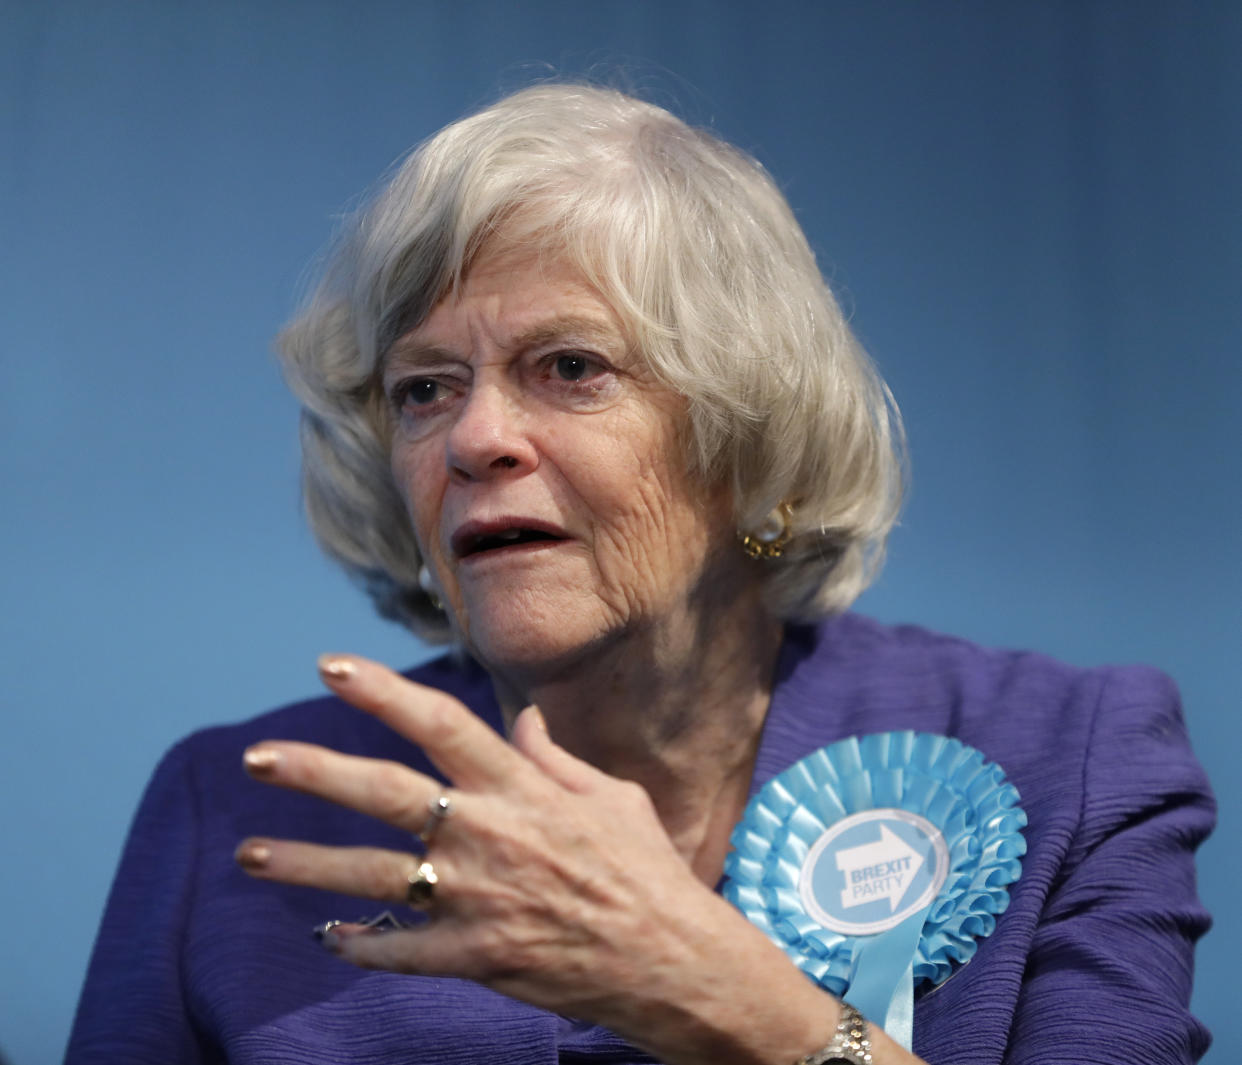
<point>878,863</point>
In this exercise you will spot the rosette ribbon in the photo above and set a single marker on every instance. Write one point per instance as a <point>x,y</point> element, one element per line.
<point>877,863</point>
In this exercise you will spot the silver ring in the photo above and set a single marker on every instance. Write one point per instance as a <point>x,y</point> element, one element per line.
<point>439,809</point>
<point>420,891</point>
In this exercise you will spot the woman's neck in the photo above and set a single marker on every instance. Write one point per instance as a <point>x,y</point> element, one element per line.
<point>678,709</point>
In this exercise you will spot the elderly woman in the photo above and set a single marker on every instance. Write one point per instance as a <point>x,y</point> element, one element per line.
<point>578,402</point>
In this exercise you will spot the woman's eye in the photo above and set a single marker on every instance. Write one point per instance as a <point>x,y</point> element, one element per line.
<point>574,367</point>
<point>418,392</point>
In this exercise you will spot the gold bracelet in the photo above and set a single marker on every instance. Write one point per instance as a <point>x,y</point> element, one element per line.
<point>850,1044</point>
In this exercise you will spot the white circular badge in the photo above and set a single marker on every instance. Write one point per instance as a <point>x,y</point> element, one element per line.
<point>872,870</point>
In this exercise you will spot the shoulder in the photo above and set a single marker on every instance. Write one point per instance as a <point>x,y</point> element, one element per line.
<point>902,658</point>
<point>1063,734</point>
<point>1017,699</point>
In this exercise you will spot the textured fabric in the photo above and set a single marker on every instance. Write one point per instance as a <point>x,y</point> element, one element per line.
<point>197,963</point>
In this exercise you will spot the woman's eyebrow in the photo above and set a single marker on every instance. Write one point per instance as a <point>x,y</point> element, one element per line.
<point>407,354</point>
<point>408,351</point>
<point>587,328</point>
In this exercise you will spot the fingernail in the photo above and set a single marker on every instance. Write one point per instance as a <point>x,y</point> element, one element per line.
<point>261,759</point>
<point>336,668</point>
<point>537,714</point>
<point>252,855</point>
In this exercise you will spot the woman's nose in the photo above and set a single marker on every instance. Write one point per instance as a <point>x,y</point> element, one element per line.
<point>489,436</point>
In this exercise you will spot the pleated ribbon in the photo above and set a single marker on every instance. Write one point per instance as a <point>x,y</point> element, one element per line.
<point>824,834</point>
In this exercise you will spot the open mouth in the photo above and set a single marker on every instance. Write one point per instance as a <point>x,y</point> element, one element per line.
<point>469,542</point>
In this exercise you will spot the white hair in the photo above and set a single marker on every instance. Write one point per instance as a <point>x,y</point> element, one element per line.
<point>694,246</point>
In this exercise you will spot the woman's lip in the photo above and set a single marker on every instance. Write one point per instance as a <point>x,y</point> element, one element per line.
<point>512,552</point>
<point>466,538</point>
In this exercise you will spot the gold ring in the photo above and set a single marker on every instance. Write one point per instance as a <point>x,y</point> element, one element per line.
<point>420,891</point>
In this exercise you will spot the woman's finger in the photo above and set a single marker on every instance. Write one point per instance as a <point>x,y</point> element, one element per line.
<point>530,736</point>
<point>438,948</point>
<point>401,951</point>
<point>388,791</point>
<point>367,872</point>
<point>456,739</point>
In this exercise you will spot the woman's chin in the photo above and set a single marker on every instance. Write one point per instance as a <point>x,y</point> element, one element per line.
<point>532,644</point>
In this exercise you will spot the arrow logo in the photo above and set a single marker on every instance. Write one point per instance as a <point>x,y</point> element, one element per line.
<point>880,870</point>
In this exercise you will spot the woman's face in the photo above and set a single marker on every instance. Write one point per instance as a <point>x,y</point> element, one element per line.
<point>541,466</point>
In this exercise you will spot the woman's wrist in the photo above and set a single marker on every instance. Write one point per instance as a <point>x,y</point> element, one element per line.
<point>740,1000</point>
<point>850,1043</point>
<point>735,997</point>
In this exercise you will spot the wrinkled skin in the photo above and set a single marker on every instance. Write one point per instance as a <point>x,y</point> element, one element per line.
<point>557,885</point>
<point>522,397</point>
<point>573,875</point>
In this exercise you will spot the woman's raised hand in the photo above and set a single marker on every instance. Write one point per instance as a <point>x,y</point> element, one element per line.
<point>557,883</point>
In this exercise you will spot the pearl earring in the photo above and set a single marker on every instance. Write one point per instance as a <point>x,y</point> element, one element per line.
<point>428,584</point>
<point>769,540</point>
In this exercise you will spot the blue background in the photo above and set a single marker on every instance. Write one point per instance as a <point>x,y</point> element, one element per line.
<point>1031,209</point>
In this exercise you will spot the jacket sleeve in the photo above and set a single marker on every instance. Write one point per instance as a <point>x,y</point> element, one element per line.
<point>1108,978</point>
<point>133,1006</point>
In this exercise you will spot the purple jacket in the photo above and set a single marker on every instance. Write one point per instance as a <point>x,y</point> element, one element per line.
<point>197,963</point>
